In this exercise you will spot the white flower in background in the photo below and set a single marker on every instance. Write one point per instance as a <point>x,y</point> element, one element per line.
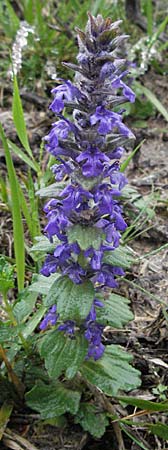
<point>19,44</point>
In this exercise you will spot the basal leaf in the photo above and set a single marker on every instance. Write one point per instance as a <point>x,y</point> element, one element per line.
<point>73,300</point>
<point>62,353</point>
<point>53,400</point>
<point>85,236</point>
<point>92,420</point>
<point>116,311</point>
<point>112,372</point>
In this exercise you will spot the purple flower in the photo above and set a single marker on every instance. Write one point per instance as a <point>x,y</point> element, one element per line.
<point>50,266</point>
<point>93,334</point>
<point>60,131</point>
<point>64,93</point>
<point>68,327</point>
<point>106,275</point>
<point>86,148</point>
<point>109,120</point>
<point>57,224</point>
<point>127,91</point>
<point>60,170</point>
<point>116,153</point>
<point>75,272</point>
<point>75,198</point>
<point>50,318</point>
<point>92,162</point>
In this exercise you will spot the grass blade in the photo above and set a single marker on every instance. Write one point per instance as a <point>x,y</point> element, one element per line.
<point>160,30</point>
<point>18,118</point>
<point>33,199</point>
<point>25,209</point>
<point>134,439</point>
<point>32,164</point>
<point>153,99</point>
<point>127,161</point>
<point>18,231</point>
<point>149,14</point>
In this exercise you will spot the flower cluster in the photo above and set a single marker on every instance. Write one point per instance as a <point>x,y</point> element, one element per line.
<point>87,149</point>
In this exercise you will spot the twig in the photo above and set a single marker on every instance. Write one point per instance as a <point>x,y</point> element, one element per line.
<point>20,388</point>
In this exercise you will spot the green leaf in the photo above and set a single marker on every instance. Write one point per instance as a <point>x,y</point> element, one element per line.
<point>53,400</point>
<point>53,190</point>
<point>8,333</point>
<point>120,257</point>
<point>153,99</point>
<point>24,306</point>
<point>73,301</point>
<point>115,312</point>
<point>7,390</point>
<point>32,324</point>
<point>6,275</point>
<point>112,372</point>
<point>58,421</point>
<point>18,231</point>
<point>5,413</point>
<point>62,353</point>
<point>43,284</point>
<point>85,236</point>
<point>144,404</point>
<point>159,429</point>
<point>18,118</point>
<point>44,245</point>
<point>92,420</point>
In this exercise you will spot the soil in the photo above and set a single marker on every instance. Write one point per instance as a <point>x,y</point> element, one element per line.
<point>147,286</point>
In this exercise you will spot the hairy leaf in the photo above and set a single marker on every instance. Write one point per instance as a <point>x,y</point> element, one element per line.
<point>92,420</point>
<point>120,257</point>
<point>44,245</point>
<point>85,236</point>
<point>116,311</point>
<point>53,400</point>
<point>43,284</point>
<point>112,372</point>
<point>62,353</point>
<point>24,306</point>
<point>73,300</point>
<point>54,190</point>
